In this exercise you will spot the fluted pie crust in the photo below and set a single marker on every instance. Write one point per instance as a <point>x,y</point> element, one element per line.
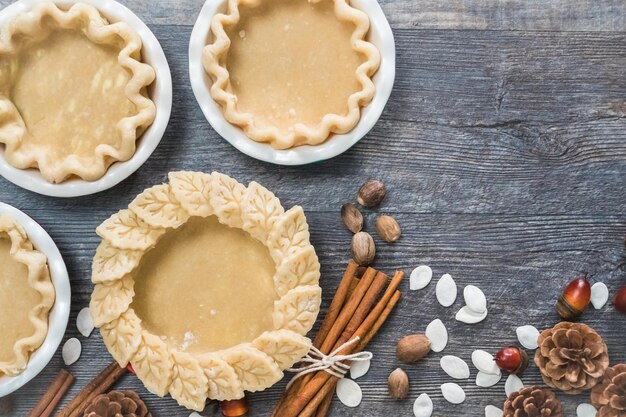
<point>26,297</point>
<point>291,72</point>
<point>73,92</point>
<point>199,255</point>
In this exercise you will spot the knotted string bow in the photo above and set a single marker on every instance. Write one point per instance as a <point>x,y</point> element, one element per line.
<point>333,363</point>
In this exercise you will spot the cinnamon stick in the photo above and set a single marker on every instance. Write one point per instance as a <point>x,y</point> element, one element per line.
<point>58,387</point>
<point>97,386</point>
<point>337,304</point>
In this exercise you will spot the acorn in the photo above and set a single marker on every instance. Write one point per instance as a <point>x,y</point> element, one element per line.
<point>234,408</point>
<point>575,299</point>
<point>620,300</point>
<point>512,359</point>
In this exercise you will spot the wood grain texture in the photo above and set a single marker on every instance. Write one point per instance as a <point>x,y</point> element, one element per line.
<point>504,150</point>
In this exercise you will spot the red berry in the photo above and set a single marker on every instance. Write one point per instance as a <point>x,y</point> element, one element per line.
<point>575,299</point>
<point>512,359</point>
<point>620,300</point>
<point>130,369</point>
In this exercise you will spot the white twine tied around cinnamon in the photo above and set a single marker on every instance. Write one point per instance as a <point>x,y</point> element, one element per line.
<point>333,363</point>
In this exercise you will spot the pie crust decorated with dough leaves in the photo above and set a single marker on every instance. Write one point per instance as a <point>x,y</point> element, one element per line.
<point>224,374</point>
<point>289,80</point>
<point>31,314</point>
<point>73,91</point>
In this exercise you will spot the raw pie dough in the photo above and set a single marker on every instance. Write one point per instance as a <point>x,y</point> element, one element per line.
<point>291,72</point>
<point>206,286</point>
<point>26,297</point>
<point>73,94</point>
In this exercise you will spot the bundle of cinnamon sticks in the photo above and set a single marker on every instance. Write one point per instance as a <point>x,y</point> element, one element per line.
<point>357,310</point>
<point>62,382</point>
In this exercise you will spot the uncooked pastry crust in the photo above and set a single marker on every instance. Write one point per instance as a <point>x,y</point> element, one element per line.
<point>191,378</point>
<point>38,278</point>
<point>36,25</point>
<point>214,58</point>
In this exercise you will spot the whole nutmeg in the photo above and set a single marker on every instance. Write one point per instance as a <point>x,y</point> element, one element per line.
<point>352,217</point>
<point>388,228</point>
<point>412,348</point>
<point>398,383</point>
<point>363,248</point>
<point>371,193</point>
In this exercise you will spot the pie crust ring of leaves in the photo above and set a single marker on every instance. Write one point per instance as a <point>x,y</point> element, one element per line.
<point>225,374</point>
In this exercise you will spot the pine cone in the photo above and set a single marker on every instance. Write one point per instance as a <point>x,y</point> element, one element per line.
<point>571,357</point>
<point>117,404</point>
<point>533,402</point>
<point>609,396</point>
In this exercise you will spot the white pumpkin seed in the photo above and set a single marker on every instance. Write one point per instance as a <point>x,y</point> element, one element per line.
<point>423,406</point>
<point>475,299</point>
<point>446,290</point>
<point>195,414</point>
<point>84,322</point>
<point>493,411</point>
<point>71,351</point>
<point>485,363</point>
<point>437,333</point>
<point>586,410</point>
<point>487,380</point>
<point>359,368</point>
<point>453,393</point>
<point>349,392</point>
<point>527,336</point>
<point>465,315</point>
<point>512,384</point>
<point>599,295</point>
<point>420,277</point>
<point>455,367</point>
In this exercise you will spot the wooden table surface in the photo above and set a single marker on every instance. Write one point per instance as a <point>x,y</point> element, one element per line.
<point>504,149</point>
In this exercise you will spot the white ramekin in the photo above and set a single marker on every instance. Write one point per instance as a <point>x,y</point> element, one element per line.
<point>59,315</point>
<point>160,92</point>
<point>380,35</point>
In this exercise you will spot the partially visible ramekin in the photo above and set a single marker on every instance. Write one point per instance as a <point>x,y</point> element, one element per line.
<point>160,93</point>
<point>380,35</point>
<point>59,315</point>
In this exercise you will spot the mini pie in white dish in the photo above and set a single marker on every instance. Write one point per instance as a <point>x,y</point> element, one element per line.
<point>291,72</point>
<point>206,286</point>
<point>26,297</point>
<point>73,92</point>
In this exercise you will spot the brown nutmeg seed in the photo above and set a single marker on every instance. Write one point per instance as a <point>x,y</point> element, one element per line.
<point>363,248</point>
<point>371,193</point>
<point>388,228</point>
<point>352,217</point>
<point>398,383</point>
<point>412,348</point>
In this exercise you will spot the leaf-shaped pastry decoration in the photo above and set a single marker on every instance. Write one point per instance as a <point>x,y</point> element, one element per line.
<point>110,300</point>
<point>223,381</point>
<point>255,369</point>
<point>301,268</point>
<point>290,233</point>
<point>298,310</point>
<point>122,336</point>
<point>125,230</point>
<point>153,365</point>
<point>190,385</point>
<point>192,190</point>
<point>284,346</point>
<point>261,210</point>
<point>111,263</point>
<point>158,207</point>
<point>226,199</point>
